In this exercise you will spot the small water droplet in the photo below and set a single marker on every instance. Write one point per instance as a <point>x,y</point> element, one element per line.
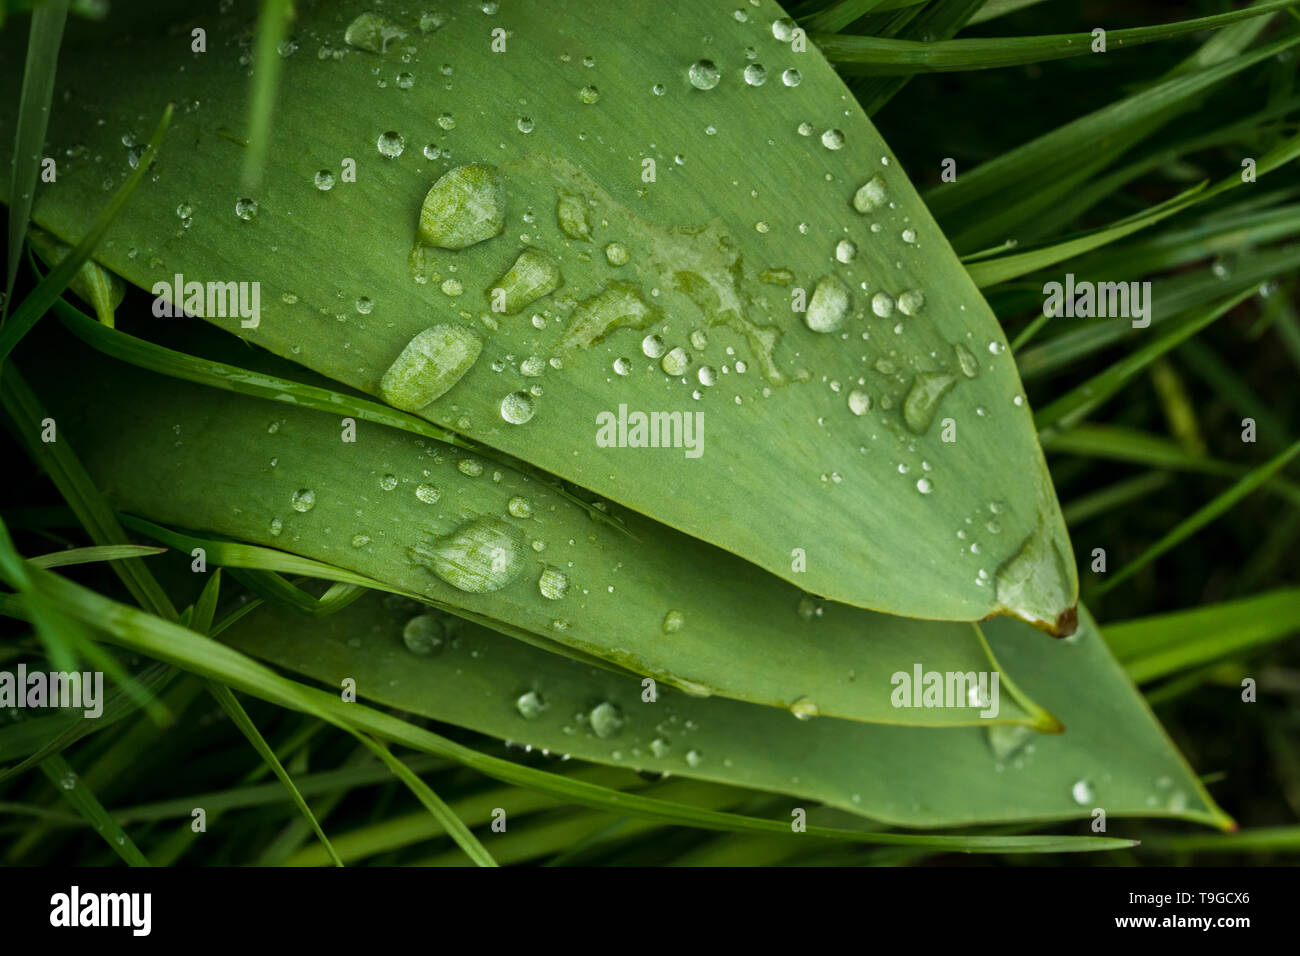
<point>833,139</point>
<point>246,209</point>
<point>846,251</point>
<point>704,74</point>
<point>791,77</point>
<point>424,634</point>
<point>805,708</point>
<point>673,622</point>
<point>517,408</point>
<point>428,494</point>
<point>694,758</point>
<point>828,306</point>
<point>870,195</point>
<point>1082,793</point>
<point>530,705</point>
<point>859,402</point>
<point>589,94</point>
<point>755,74</point>
<point>303,500</point>
<point>391,144</point>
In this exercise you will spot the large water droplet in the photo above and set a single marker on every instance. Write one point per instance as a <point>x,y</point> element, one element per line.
<point>833,139</point>
<point>675,362</point>
<point>571,214</point>
<point>755,74</point>
<point>482,555</point>
<point>304,499</point>
<point>830,302</point>
<point>969,365</point>
<point>466,205</point>
<point>552,583</point>
<point>373,32</point>
<point>704,74</point>
<point>606,719</point>
<point>517,408</point>
<point>533,275</point>
<point>530,705</point>
<point>870,195</point>
<point>911,302</point>
<point>928,389</point>
<point>429,366</point>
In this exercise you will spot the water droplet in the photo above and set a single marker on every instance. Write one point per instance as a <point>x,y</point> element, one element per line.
<point>846,251</point>
<point>673,622</point>
<point>517,408</point>
<point>519,507</point>
<point>833,139</point>
<point>755,74</point>
<point>870,195</point>
<point>391,144</point>
<point>372,32</point>
<point>466,205</point>
<point>388,482</point>
<point>830,302</point>
<point>533,275</point>
<point>589,94</point>
<point>928,389</point>
<point>707,375</point>
<point>859,402</point>
<point>430,364</point>
<point>424,634</point>
<point>68,781</point>
<point>446,122</point>
<point>805,708</point>
<point>783,29</point>
<point>694,758</point>
<point>246,209</point>
<point>791,77</point>
<point>482,555</point>
<point>606,720</point>
<point>469,467</point>
<point>909,236</point>
<point>530,705</point>
<point>303,500</point>
<point>1082,793</point>
<point>616,254</point>
<point>911,302</point>
<point>661,747</point>
<point>622,366</point>
<point>704,74</point>
<point>571,213</point>
<point>553,583</point>
<point>882,303</point>
<point>924,486</point>
<point>675,362</point>
<point>652,346</point>
<point>428,494</point>
<point>969,365</point>
<point>364,305</point>
<point>360,540</point>
<point>524,124</point>
<point>405,80</point>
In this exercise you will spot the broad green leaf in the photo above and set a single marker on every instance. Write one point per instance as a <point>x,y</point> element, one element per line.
<point>906,776</point>
<point>648,599</point>
<point>715,246</point>
<point>172,643</point>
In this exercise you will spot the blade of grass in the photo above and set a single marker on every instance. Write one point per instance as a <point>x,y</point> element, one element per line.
<point>44,39</point>
<point>1203,516</point>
